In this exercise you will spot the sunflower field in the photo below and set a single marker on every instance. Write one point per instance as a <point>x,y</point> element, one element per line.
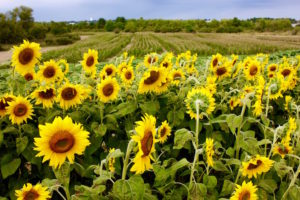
<point>162,127</point>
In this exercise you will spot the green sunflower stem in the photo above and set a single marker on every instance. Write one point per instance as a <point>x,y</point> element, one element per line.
<point>268,101</point>
<point>63,176</point>
<point>292,182</point>
<point>239,131</point>
<point>127,156</point>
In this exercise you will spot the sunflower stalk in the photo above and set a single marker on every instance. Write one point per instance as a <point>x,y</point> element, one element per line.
<point>127,156</point>
<point>295,177</point>
<point>240,127</point>
<point>63,176</point>
<point>268,99</point>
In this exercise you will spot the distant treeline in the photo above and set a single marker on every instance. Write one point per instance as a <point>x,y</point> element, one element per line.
<point>19,24</point>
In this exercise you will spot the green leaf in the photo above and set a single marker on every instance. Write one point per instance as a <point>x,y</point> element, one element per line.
<point>228,188</point>
<point>281,168</point>
<point>125,108</point>
<point>181,137</point>
<point>51,183</point>
<point>21,144</point>
<point>198,191</point>
<point>219,166</point>
<point>234,122</point>
<point>129,189</point>
<point>294,193</point>
<point>150,107</point>
<point>268,185</point>
<point>115,154</point>
<point>263,142</point>
<point>210,181</point>
<point>10,168</point>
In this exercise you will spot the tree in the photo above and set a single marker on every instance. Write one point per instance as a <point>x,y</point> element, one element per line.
<point>101,23</point>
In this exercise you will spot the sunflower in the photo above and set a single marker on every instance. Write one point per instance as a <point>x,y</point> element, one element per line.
<point>292,126</point>
<point>234,59</point>
<point>215,60</point>
<point>49,72</point>
<point>275,87</point>
<point>30,192</point>
<point>90,60</point>
<point>256,166</point>
<point>287,71</point>
<point>64,65</point>
<point>282,149</point>
<point>26,56</point>
<point>4,103</point>
<point>222,71</point>
<point>209,150</point>
<point>150,59</point>
<point>177,76</point>
<point>152,79</point>
<point>234,102</point>
<point>246,191</point>
<point>271,75</point>
<point>163,87</point>
<point>211,85</point>
<point>122,66</point>
<point>237,69</point>
<point>166,63</point>
<point>288,103</point>
<point>60,140</point>
<point>111,161</point>
<point>253,70</point>
<point>204,99</point>
<point>69,95</point>
<point>127,76</point>
<point>163,132</point>
<point>145,137</point>
<point>19,110</point>
<point>110,70</point>
<point>259,90</point>
<point>45,96</point>
<point>108,90</point>
<point>272,68</point>
<point>29,76</point>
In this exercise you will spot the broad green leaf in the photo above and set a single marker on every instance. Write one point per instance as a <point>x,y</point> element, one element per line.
<point>228,188</point>
<point>181,137</point>
<point>150,107</point>
<point>268,185</point>
<point>219,166</point>
<point>210,181</point>
<point>21,144</point>
<point>10,168</point>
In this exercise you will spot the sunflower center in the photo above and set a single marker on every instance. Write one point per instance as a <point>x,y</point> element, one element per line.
<point>177,76</point>
<point>49,72</point>
<point>254,166</point>
<point>272,68</point>
<point>151,60</point>
<point>48,94</point>
<point>221,71</point>
<point>31,195</point>
<point>231,103</point>
<point>283,150</point>
<point>165,64</point>
<point>154,75</point>
<point>109,71</point>
<point>271,75</point>
<point>163,132</point>
<point>20,110</point>
<point>147,143</point>
<point>215,62</point>
<point>286,72</point>
<point>253,70</point>
<point>25,56</point>
<point>4,102</point>
<point>128,75</point>
<point>90,61</point>
<point>61,141</point>
<point>69,93</point>
<point>233,63</point>
<point>245,195</point>
<point>108,89</point>
<point>28,77</point>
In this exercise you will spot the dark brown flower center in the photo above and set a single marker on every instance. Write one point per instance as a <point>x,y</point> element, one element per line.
<point>128,75</point>
<point>271,75</point>
<point>31,195</point>
<point>48,94</point>
<point>177,76</point>
<point>147,143</point>
<point>166,64</point>
<point>231,103</point>
<point>221,71</point>
<point>25,56</point>
<point>109,71</point>
<point>215,62</point>
<point>28,77</point>
<point>62,141</point>
<point>163,132</point>
<point>49,72</point>
<point>108,89</point>
<point>69,93</point>
<point>154,75</point>
<point>90,61</point>
<point>286,72</point>
<point>245,195</point>
<point>20,110</point>
<point>4,102</point>
<point>283,150</point>
<point>272,68</point>
<point>253,70</point>
<point>254,166</point>
<point>151,60</point>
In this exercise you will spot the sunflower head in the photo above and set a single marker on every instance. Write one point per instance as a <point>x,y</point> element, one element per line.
<point>256,166</point>
<point>19,110</point>
<point>70,95</point>
<point>253,70</point>
<point>275,87</point>
<point>109,70</point>
<point>164,132</point>
<point>108,90</point>
<point>177,76</point>
<point>150,59</point>
<point>30,192</point>
<point>64,65</point>
<point>272,68</point>
<point>90,60</point>
<point>209,151</point>
<point>282,149</point>
<point>222,71</point>
<point>246,191</point>
<point>4,103</point>
<point>45,96</point>
<point>288,103</point>
<point>215,60</point>
<point>166,63</point>
<point>152,79</point>
<point>50,72</point>
<point>127,76</point>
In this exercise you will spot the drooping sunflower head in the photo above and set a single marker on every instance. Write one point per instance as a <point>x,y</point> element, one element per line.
<point>202,99</point>
<point>152,79</point>
<point>275,87</point>
<point>26,56</point>
<point>177,76</point>
<point>61,140</point>
<point>145,137</point>
<point>127,76</point>
<point>209,151</point>
<point>29,76</point>
<point>150,59</point>
<point>246,191</point>
<point>282,149</point>
<point>4,103</point>
<point>30,192</point>
<point>19,110</point>
<point>108,90</point>
<point>110,70</point>
<point>50,72</point>
<point>90,60</point>
<point>69,95</point>
<point>164,131</point>
<point>64,65</point>
<point>45,96</point>
<point>234,59</point>
<point>256,166</point>
<point>253,70</point>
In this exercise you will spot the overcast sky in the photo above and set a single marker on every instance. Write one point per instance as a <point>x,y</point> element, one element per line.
<point>65,10</point>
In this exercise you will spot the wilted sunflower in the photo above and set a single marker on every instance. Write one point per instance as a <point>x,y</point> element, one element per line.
<point>90,60</point>
<point>30,192</point>
<point>253,70</point>
<point>64,65</point>
<point>110,70</point>
<point>108,90</point>
<point>152,79</point>
<point>69,95</point>
<point>19,110</point>
<point>282,149</point>
<point>4,100</point>
<point>127,76</point>
<point>145,137</point>
<point>45,96</point>
<point>275,87</point>
<point>177,76</point>
<point>26,56</point>
<point>204,99</point>
<point>256,166</point>
<point>246,191</point>
<point>209,151</point>
<point>150,59</point>
<point>163,132</point>
<point>49,72</point>
<point>60,140</point>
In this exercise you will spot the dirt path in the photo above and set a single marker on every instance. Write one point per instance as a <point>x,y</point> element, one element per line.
<point>6,55</point>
